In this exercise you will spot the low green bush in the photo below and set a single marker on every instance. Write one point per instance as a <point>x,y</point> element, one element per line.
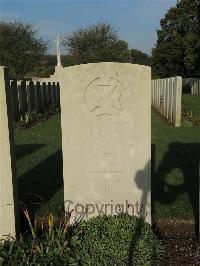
<point>115,240</point>
<point>32,118</point>
<point>104,240</point>
<point>188,116</point>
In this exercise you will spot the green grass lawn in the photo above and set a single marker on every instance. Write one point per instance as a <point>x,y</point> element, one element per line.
<point>175,162</point>
<point>39,166</point>
<point>192,103</point>
<point>175,159</point>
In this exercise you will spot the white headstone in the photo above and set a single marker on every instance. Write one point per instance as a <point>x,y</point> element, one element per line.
<point>106,138</point>
<point>8,179</point>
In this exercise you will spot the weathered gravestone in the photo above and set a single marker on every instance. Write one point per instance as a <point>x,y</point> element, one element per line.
<point>106,138</point>
<point>8,187</point>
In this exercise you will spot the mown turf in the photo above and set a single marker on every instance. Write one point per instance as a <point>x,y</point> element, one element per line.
<point>39,165</point>
<point>192,103</point>
<point>175,160</point>
<point>175,166</point>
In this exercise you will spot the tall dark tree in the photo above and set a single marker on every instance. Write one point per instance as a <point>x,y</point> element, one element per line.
<point>20,47</point>
<point>96,43</point>
<point>177,50</point>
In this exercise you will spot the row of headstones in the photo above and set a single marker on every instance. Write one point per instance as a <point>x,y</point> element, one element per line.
<point>193,85</point>
<point>28,96</point>
<point>166,98</point>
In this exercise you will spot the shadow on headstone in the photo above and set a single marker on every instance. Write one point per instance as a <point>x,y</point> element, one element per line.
<point>187,88</point>
<point>140,180</point>
<point>58,93</point>
<point>30,96</point>
<point>23,96</point>
<point>49,97</point>
<point>44,93</point>
<point>189,84</point>
<point>38,99</point>
<point>15,100</point>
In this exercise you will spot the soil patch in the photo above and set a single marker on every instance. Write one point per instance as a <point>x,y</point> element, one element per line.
<point>180,242</point>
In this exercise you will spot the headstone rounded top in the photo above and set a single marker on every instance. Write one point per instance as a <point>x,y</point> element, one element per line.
<point>107,65</point>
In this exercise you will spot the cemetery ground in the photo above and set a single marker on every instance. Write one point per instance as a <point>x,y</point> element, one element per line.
<point>175,155</point>
<point>192,103</point>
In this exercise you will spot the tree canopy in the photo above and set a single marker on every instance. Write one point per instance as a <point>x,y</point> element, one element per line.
<point>20,47</point>
<point>100,43</point>
<point>25,53</point>
<point>140,58</point>
<point>177,50</point>
<point>96,43</point>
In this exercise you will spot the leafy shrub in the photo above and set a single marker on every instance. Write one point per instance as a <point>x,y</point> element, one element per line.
<point>196,121</point>
<point>115,240</point>
<point>188,116</point>
<point>33,118</point>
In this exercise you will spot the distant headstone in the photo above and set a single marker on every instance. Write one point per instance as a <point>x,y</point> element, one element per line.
<point>8,179</point>
<point>106,138</point>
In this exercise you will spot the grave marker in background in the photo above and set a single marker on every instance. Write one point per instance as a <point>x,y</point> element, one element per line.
<point>106,138</point>
<point>166,98</point>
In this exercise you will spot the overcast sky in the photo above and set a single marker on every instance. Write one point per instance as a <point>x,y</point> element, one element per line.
<point>136,20</point>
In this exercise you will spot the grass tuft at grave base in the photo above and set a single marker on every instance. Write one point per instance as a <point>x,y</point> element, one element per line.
<point>175,161</point>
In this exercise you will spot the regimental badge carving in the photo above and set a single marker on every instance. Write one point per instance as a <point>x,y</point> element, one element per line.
<point>104,96</point>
